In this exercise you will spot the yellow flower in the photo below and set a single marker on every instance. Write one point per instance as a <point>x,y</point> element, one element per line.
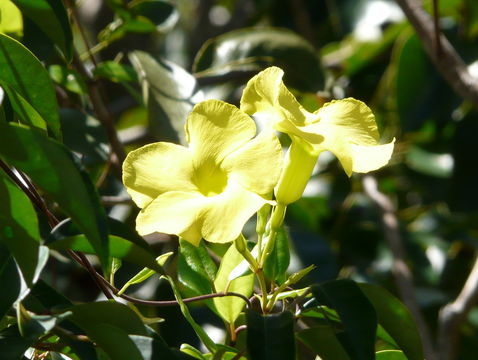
<point>347,128</point>
<point>211,188</point>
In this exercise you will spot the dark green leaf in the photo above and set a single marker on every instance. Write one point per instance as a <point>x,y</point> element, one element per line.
<point>23,73</point>
<point>10,281</point>
<point>87,316</point>
<point>37,325</point>
<point>12,344</point>
<point>162,14</point>
<point>257,48</point>
<point>356,313</point>
<point>170,93</point>
<point>270,337</point>
<point>50,165</point>
<point>114,341</point>
<point>118,247</point>
<point>153,348</point>
<point>84,135</point>
<point>322,340</point>
<point>396,320</point>
<point>115,72</point>
<point>51,17</point>
<point>19,227</point>
<point>277,262</point>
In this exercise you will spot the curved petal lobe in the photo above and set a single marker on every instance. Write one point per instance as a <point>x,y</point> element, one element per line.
<point>155,169</point>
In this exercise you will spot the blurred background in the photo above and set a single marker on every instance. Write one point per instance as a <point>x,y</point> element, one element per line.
<point>155,59</point>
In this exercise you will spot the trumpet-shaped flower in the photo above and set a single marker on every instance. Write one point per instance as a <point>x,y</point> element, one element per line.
<point>211,188</point>
<point>347,128</point>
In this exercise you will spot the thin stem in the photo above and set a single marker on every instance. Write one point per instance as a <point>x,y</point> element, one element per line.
<point>263,286</point>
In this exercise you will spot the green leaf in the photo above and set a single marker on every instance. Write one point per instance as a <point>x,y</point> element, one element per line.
<point>12,344</point>
<point>390,355</point>
<point>52,19</point>
<point>229,307</point>
<point>322,340</point>
<point>203,336</point>
<point>118,247</point>
<point>23,72</point>
<point>396,320</point>
<point>146,273</point>
<point>25,112</point>
<point>115,72</point>
<point>10,281</point>
<point>36,325</point>
<point>114,341</point>
<point>19,227</point>
<point>256,48</point>
<point>169,92</point>
<point>50,165</point>
<point>357,314</point>
<point>69,79</point>
<point>277,262</point>
<point>154,348</point>
<point>88,316</point>
<point>196,269</point>
<point>270,337</point>
<point>162,14</point>
<point>85,135</point>
<point>429,163</point>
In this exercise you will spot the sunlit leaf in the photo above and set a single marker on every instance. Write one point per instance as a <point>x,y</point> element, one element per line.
<point>169,92</point>
<point>230,307</point>
<point>23,73</point>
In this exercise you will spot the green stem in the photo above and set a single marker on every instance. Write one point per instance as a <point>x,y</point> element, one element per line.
<point>263,286</point>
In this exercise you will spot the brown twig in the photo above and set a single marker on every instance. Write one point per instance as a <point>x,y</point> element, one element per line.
<point>401,272</point>
<point>454,314</point>
<point>448,62</point>
<point>172,302</point>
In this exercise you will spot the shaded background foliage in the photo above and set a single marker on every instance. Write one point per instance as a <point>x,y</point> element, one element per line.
<point>154,59</point>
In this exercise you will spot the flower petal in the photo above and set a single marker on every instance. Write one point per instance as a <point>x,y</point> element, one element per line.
<point>157,168</point>
<point>350,132</point>
<point>175,212</point>
<point>214,129</point>
<point>266,95</point>
<point>257,165</point>
<point>368,158</point>
<point>228,212</point>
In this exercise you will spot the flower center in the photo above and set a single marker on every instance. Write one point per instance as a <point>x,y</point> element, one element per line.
<point>210,180</point>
